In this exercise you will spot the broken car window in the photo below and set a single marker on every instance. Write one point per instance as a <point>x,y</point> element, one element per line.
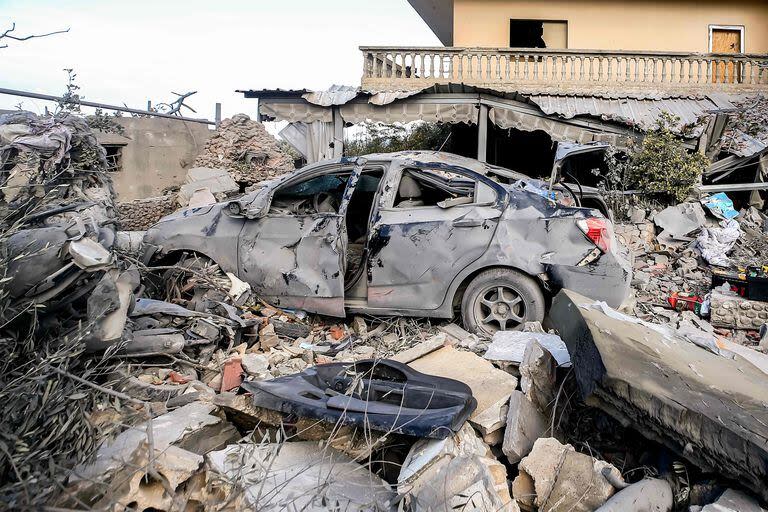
<point>423,187</point>
<point>321,194</point>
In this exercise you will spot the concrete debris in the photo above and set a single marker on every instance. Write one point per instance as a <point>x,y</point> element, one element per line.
<point>525,424</point>
<point>647,495</point>
<point>662,385</point>
<point>206,186</point>
<point>297,476</point>
<point>734,501</point>
<point>538,376</point>
<point>564,479</point>
<point>490,386</point>
<point>679,221</point>
<point>456,473</point>
<point>420,350</point>
<point>244,149</point>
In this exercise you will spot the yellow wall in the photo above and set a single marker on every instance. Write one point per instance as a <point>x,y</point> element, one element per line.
<point>674,25</point>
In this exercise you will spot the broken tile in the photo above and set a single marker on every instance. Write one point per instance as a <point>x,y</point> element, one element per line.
<point>231,374</point>
<point>490,386</point>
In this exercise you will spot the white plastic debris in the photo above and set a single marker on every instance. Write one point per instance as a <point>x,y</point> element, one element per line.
<point>714,243</point>
<point>510,346</point>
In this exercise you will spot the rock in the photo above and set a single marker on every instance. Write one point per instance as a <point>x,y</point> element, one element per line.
<point>636,215</point>
<point>538,376</point>
<point>647,495</point>
<point>359,326</point>
<point>565,480</point>
<point>140,214</point>
<point>525,424</point>
<point>420,349</point>
<point>241,411</point>
<point>256,365</point>
<point>290,329</point>
<point>490,386</point>
<point>456,334</point>
<point>201,197</point>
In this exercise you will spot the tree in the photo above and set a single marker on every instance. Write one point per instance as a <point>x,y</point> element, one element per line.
<point>8,35</point>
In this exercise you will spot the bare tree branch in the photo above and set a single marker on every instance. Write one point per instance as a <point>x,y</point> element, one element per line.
<point>7,35</point>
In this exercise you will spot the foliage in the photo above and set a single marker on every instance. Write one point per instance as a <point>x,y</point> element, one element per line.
<point>70,100</point>
<point>613,181</point>
<point>385,138</point>
<point>104,122</point>
<point>662,167</point>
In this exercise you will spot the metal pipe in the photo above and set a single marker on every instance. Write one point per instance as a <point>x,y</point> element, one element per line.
<point>48,97</point>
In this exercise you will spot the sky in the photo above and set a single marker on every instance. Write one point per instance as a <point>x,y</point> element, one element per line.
<point>129,52</point>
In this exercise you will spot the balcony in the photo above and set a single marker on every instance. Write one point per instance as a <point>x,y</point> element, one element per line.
<point>562,71</point>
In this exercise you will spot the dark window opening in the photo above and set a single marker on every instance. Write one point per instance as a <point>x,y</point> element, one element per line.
<point>526,34</point>
<point>114,157</point>
<point>529,153</point>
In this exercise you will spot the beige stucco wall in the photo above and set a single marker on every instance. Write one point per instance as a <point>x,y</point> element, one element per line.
<point>158,155</point>
<point>675,25</point>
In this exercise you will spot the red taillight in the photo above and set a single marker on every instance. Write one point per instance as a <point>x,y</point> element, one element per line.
<point>598,231</point>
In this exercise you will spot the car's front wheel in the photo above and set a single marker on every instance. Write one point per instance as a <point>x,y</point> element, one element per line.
<point>501,299</point>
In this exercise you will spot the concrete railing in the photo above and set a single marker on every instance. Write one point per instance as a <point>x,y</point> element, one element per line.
<point>411,68</point>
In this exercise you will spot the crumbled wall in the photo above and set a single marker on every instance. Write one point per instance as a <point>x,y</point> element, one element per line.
<point>140,214</point>
<point>246,150</point>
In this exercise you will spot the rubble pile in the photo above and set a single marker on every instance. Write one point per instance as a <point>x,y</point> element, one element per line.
<point>175,387</point>
<point>140,214</point>
<point>243,148</point>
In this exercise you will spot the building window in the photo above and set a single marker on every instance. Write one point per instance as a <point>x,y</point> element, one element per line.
<point>538,34</point>
<point>114,157</point>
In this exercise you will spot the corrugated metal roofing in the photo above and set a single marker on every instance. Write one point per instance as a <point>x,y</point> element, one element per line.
<point>640,113</point>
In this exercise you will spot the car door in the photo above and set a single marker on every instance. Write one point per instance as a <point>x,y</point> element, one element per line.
<point>295,259</point>
<point>416,249</point>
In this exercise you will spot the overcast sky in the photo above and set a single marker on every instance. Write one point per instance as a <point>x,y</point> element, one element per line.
<point>132,51</point>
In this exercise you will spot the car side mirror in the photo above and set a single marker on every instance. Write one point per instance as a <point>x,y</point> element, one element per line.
<point>251,206</point>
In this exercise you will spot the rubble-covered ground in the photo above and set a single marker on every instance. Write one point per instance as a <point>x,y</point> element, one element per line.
<point>176,388</point>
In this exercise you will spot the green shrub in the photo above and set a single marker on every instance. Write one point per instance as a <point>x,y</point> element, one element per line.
<point>662,167</point>
<point>387,138</point>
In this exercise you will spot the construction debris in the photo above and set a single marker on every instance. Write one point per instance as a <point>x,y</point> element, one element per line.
<point>244,149</point>
<point>661,383</point>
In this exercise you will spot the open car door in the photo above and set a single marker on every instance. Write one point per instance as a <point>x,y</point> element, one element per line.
<point>295,257</point>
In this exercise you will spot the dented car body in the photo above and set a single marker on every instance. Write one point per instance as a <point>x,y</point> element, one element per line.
<point>409,233</point>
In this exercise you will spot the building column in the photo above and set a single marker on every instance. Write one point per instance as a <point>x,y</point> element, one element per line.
<point>338,133</point>
<point>482,132</point>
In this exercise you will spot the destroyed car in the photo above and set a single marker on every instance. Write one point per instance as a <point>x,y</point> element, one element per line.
<point>412,233</point>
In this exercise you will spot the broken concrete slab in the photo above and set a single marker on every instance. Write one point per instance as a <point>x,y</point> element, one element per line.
<point>299,476</point>
<point>456,473</point>
<point>734,501</point>
<point>680,220</point>
<point>490,386</point>
<point>191,428</point>
<point>706,406</point>
<point>525,424</point>
<point>510,346</point>
<point>647,495</point>
<point>420,349</point>
<point>216,181</point>
<point>564,479</point>
<point>538,376</point>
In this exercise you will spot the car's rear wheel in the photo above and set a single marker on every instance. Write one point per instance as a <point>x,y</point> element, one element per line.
<point>501,299</point>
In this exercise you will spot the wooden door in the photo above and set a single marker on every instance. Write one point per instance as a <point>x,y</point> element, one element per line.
<point>726,41</point>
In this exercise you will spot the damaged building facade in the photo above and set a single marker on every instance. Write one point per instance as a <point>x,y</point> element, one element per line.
<point>511,97</point>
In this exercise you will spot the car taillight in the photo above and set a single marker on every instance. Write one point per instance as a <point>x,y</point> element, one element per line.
<point>598,231</point>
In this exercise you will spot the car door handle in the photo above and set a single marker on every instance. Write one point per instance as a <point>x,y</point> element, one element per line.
<point>467,223</point>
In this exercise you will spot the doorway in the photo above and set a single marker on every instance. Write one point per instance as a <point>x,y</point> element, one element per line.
<point>724,39</point>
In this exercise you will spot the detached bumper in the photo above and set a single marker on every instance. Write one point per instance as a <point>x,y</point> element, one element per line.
<point>608,279</point>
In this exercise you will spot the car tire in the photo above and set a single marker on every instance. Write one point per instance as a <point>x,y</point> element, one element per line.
<point>483,312</point>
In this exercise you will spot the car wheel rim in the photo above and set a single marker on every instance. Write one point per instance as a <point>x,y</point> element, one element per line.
<point>499,308</point>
